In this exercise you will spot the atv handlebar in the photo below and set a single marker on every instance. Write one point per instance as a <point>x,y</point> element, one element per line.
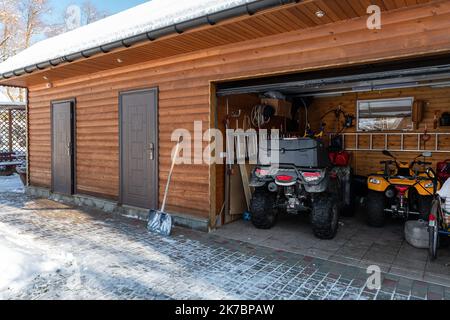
<point>412,164</point>
<point>433,177</point>
<point>431,173</point>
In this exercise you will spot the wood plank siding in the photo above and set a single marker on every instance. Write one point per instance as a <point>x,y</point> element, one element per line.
<point>184,82</point>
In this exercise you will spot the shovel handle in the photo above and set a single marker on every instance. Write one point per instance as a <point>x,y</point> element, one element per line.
<point>169,178</point>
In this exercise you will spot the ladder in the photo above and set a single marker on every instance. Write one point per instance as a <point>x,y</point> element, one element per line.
<point>398,146</point>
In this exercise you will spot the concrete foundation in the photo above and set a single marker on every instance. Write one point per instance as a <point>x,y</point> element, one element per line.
<point>181,220</point>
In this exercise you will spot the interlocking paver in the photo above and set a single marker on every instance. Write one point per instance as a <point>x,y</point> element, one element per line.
<point>116,258</point>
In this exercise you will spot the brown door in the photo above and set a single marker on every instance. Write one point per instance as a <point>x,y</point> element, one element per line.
<point>62,147</point>
<point>138,148</point>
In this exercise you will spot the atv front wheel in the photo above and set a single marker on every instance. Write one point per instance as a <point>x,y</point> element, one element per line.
<point>325,217</point>
<point>433,242</point>
<point>376,202</point>
<point>264,214</point>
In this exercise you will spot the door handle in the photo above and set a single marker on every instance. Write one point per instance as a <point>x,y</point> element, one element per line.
<point>151,149</point>
<point>69,149</point>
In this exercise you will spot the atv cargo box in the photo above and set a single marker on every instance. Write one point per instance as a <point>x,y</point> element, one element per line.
<point>303,152</point>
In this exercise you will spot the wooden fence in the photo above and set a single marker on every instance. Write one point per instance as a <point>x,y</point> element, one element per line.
<point>13,131</point>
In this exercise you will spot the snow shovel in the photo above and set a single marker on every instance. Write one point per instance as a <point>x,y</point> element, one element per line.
<point>159,221</point>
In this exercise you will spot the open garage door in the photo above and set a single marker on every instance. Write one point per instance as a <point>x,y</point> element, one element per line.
<point>400,106</point>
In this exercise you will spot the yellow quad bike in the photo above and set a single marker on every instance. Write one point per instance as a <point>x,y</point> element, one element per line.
<point>401,190</point>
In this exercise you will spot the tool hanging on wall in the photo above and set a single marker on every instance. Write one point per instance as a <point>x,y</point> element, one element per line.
<point>336,139</point>
<point>349,119</point>
<point>338,112</point>
<point>228,168</point>
<point>308,131</point>
<point>436,119</point>
<point>261,115</point>
<point>347,123</point>
<point>445,119</point>
<point>425,137</point>
<point>247,123</point>
<point>236,115</point>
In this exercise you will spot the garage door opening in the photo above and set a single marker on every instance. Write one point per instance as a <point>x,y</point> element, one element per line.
<point>399,106</point>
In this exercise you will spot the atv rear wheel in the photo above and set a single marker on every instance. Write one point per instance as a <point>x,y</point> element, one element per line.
<point>376,203</point>
<point>264,214</point>
<point>325,217</point>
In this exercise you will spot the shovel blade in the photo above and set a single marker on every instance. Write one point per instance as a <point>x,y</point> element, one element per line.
<point>159,222</point>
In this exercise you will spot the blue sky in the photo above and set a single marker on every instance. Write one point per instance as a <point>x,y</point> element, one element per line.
<point>111,6</point>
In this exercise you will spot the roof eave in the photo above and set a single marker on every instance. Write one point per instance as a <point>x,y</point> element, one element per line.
<point>211,19</point>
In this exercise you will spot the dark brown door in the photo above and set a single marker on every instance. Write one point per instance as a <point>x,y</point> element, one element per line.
<point>62,147</point>
<point>138,151</point>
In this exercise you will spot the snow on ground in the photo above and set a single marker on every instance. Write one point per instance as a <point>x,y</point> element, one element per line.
<point>49,250</point>
<point>11,184</point>
<point>22,259</point>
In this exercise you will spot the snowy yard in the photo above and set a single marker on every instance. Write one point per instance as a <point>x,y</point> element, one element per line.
<point>23,259</point>
<point>11,184</point>
<point>52,251</point>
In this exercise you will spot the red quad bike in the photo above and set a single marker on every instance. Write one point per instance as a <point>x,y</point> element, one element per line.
<point>304,182</point>
<point>443,170</point>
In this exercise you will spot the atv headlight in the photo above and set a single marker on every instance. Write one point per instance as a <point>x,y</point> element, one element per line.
<point>374,181</point>
<point>429,185</point>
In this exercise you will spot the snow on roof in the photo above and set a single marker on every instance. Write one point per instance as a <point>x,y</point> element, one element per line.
<point>146,17</point>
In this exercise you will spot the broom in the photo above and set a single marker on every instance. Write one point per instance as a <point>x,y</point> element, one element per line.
<point>159,221</point>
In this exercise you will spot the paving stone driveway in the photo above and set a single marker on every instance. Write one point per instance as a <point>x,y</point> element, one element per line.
<point>116,258</point>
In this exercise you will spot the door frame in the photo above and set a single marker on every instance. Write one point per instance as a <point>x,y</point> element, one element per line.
<point>155,90</point>
<point>73,162</point>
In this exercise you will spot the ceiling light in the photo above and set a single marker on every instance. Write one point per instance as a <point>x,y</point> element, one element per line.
<point>320,14</point>
<point>45,77</point>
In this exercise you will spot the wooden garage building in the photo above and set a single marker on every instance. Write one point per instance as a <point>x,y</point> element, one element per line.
<point>100,117</point>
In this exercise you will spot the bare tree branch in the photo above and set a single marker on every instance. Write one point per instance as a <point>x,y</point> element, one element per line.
<point>3,42</point>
